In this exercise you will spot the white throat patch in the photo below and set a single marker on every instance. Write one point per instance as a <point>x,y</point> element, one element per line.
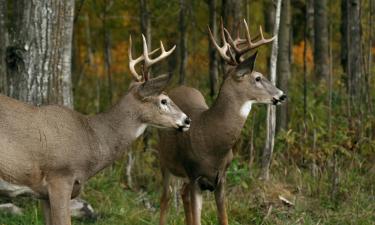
<point>140,130</point>
<point>246,108</point>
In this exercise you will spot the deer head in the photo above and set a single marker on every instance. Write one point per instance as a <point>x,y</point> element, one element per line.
<point>156,108</point>
<point>249,83</point>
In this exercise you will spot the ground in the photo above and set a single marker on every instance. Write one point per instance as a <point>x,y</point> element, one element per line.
<point>250,201</point>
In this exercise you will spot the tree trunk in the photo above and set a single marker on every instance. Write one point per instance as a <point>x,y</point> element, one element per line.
<point>283,61</point>
<point>344,36</point>
<point>183,41</point>
<point>232,13</point>
<point>355,53</point>
<point>145,21</point>
<point>213,71</point>
<point>107,49</point>
<point>271,111</point>
<point>3,45</point>
<point>269,15</point>
<point>321,58</point>
<point>39,55</point>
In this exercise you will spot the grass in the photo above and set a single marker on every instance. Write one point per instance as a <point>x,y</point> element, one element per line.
<point>250,201</point>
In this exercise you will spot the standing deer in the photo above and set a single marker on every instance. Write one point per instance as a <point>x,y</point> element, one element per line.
<point>202,155</point>
<point>53,150</point>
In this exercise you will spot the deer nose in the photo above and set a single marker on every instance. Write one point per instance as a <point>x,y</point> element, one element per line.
<point>282,97</point>
<point>187,121</point>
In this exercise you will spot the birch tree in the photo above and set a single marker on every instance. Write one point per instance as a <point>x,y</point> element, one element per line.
<point>271,110</point>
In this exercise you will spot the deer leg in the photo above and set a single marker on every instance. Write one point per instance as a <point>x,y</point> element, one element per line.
<point>46,212</point>
<point>59,193</point>
<point>196,203</point>
<point>165,197</point>
<point>185,196</point>
<point>220,202</point>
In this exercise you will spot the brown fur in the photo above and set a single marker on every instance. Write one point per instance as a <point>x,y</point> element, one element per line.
<point>203,154</point>
<point>53,150</point>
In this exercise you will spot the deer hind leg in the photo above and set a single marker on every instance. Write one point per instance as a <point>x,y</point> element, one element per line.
<point>59,193</point>
<point>165,197</point>
<point>196,203</point>
<point>185,196</point>
<point>220,202</point>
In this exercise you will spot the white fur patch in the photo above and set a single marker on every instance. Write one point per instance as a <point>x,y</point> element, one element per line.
<point>140,130</point>
<point>246,108</point>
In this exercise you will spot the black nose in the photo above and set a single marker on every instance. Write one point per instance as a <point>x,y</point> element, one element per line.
<point>187,121</point>
<point>282,97</point>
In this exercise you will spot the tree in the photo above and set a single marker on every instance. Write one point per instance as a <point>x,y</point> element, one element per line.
<point>4,43</point>
<point>271,111</point>
<point>232,13</point>
<point>182,24</point>
<point>355,50</point>
<point>283,61</point>
<point>213,65</point>
<point>39,53</point>
<point>321,58</point>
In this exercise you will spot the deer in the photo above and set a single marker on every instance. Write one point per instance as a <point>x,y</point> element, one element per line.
<point>54,150</point>
<point>201,155</point>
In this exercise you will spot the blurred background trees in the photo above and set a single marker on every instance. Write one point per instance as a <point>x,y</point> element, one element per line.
<point>326,131</point>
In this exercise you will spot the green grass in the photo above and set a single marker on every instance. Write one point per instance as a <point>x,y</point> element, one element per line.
<point>250,201</point>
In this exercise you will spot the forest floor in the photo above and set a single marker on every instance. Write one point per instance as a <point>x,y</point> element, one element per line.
<point>250,201</point>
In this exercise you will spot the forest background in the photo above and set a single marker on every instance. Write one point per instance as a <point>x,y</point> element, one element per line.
<point>324,155</point>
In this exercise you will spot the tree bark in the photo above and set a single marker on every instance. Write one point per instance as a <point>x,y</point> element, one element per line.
<point>39,56</point>
<point>107,49</point>
<point>232,13</point>
<point>355,53</point>
<point>283,61</point>
<point>145,21</point>
<point>3,45</point>
<point>183,41</point>
<point>271,111</point>
<point>213,70</point>
<point>269,15</point>
<point>321,58</point>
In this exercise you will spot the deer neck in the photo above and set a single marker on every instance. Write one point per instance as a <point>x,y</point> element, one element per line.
<point>226,118</point>
<point>116,129</point>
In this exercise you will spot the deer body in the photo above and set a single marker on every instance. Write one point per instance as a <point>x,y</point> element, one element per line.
<point>203,154</point>
<point>53,150</point>
<point>50,139</point>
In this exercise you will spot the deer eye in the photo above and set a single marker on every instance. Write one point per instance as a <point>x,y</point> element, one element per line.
<point>257,79</point>
<point>164,101</point>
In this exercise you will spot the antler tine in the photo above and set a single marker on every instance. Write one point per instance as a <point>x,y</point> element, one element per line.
<point>235,44</point>
<point>262,40</point>
<point>133,62</point>
<point>164,54</point>
<point>224,49</point>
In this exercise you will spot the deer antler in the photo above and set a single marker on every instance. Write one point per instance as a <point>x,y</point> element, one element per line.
<point>234,45</point>
<point>223,49</point>
<point>148,62</point>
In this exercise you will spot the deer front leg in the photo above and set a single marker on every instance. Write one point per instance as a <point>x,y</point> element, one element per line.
<point>185,196</point>
<point>196,203</point>
<point>220,202</point>
<point>59,193</point>
<point>46,212</point>
<point>165,197</point>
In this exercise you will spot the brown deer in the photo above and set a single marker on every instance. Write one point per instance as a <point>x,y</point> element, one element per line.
<point>54,150</point>
<point>202,155</point>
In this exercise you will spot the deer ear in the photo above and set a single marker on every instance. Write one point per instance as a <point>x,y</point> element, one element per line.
<point>246,66</point>
<point>154,86</point>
